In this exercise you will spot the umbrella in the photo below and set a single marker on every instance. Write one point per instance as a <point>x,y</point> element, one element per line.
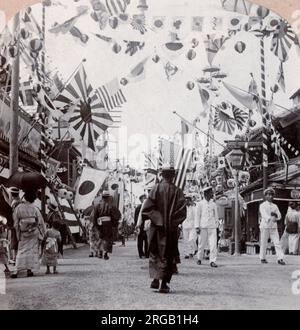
<point>27,180</point>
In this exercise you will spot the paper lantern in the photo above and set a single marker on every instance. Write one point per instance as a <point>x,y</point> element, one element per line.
<point>24,33</point>
<point>195,43</point>
<point>213,183</point>
<point>62,193</point>
<point>190,85</point>
<point>124,81</point>
<point>240,47</point>
<point>191,54</point>
<point>275,88</point>
<point>12,50</point>
<point>69,195</point>
<point>156,59</point>
<point>123,17</point>
<point>252,123</point>
<point>113,22</point>
<point>230,183</point>
<point>116,48</point>
<point>36,45</point>
<point>263,12</point>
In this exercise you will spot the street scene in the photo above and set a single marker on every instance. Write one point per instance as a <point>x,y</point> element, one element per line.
<point>149,156</point>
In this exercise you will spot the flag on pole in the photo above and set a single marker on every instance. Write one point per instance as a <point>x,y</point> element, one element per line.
<point>182,165</point>
<point>204,95</point>
<point>238,6</point>
<point>213,46</point>
<point>111,95</point>
<point>221,162</point>
<point>281,78</point>
<point>25,92</point>
<point>89,184</point>
<point>138,73</point>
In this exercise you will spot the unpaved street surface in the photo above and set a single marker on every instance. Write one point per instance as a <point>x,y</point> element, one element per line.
<point>123,283</point>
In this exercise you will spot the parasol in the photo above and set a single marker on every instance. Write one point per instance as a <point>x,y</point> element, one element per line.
<point>27,180</point>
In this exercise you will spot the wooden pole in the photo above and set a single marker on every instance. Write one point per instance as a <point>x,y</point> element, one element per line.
<point>13,142</point>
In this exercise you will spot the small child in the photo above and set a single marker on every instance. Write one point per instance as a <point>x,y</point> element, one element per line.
<point>50,247</point>
<point>4,246</point>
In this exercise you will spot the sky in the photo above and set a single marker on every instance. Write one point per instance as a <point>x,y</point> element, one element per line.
<point>148,112</point>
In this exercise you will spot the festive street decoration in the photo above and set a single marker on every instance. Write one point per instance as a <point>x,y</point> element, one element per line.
<point>240,47</point>
<point>191,54</point>
<point>133,46</point>
<point>138,23</point>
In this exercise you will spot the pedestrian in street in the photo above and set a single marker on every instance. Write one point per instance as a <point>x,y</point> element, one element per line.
<point>188,231</point>
<point>105,217</point>
<point>93,237</point>
<point>50,247</point>
<point>166,208</point>
<point>269,216</point>
<point>142,240</point>
<point>292,222</point>
<point>30,230</point>
<point>4,245</point>
<point>206,224</point>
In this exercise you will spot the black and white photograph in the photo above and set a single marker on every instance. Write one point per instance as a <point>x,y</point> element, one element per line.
<point>149,156</point>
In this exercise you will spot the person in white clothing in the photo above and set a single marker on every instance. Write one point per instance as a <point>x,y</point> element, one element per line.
<point>206,224</point>
<point>269,216</point>
<point>292,222</point>
<point>188,231</point>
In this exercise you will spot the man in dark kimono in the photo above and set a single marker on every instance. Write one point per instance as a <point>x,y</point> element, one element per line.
<point>166,208</point>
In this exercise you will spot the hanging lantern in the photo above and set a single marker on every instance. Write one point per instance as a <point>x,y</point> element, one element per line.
<point>36,45</point>
<point>211,69</point>
<point>262,12</point>
<point>240,47</point>
<point>113,22</point>
<point>275,89</point>
<point>252,123</point>
<point>124,81</point>
<point>123,17</point>
<point>247,27</point>
<point>69,195</point>
<point>62,193</point>
<point>116,48</point>
<point>191,54</point>
<point>142,5</point>
<point>190,85</point>
<point>230,183</point>
<point>156,59</point>
<point>24,33</point>
<point>195,43</point>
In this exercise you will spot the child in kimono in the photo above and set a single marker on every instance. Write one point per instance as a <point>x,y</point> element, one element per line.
<point>3,246</point>
<point>51,245</point>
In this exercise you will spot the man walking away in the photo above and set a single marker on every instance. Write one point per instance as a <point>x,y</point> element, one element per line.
<point>142,241</point>
<point>166,208</point>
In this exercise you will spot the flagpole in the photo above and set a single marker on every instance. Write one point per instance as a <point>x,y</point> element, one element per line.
<point>13,142</point>
<point>200,130</point>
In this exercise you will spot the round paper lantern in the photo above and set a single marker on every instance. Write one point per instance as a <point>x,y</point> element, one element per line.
<point>124,81</point>
<point>263,12</point>
<point>156,59</point>
<point>213,183</point>
<point>240,47</point>
<point>230,183</point>
<point>24,33</point>
<point>247,27</point>
<point>62,193</point>
<point>69,195</point>
<point>191,54</point>
<point>190,85</point>
<point>252,123</point>
<point>36,45</point>
<point>123,17</point>
<point>116,48</point>
<point>195,42</point>
<point>275,88</point>
<point>12,50</point>
<point>113,22</point>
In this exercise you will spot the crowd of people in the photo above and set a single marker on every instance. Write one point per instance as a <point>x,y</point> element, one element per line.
<point>162,217</point>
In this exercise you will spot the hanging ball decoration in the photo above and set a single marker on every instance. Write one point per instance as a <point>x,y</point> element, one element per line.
<point>247,27</point>
<point>36,45</point>
<point>116,48</point>
<point>113,22</point>
<point>62,193</point>
<point>156,59</point>
<point>191,54</point>
<point>69,195</point>
<point>24,33</point>
<point>124,81</point>
<point>124,17</point>
<point>190,85</point>
<point>12,50</point>
<point>224,105</point>
<point>240,47</point>
<point>252,123</point>
<point>230,183</point>
<point>275,88</point>
<point>262,12</point>
<point>34,55</point>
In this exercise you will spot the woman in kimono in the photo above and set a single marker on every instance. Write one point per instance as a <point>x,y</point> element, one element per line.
<point>105,216</point>
<point>166,208</point>
<point>30,230</point>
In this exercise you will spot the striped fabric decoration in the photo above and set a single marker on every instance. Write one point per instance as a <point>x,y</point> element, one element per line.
<point>70,218</point>
<point>111,95</point>
<point>116,7</point>
<point>285,143</point>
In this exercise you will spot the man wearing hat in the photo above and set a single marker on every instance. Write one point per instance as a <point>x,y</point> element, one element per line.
<point>166,208</point>
<point>206,224</point>
<point>269,216</point>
